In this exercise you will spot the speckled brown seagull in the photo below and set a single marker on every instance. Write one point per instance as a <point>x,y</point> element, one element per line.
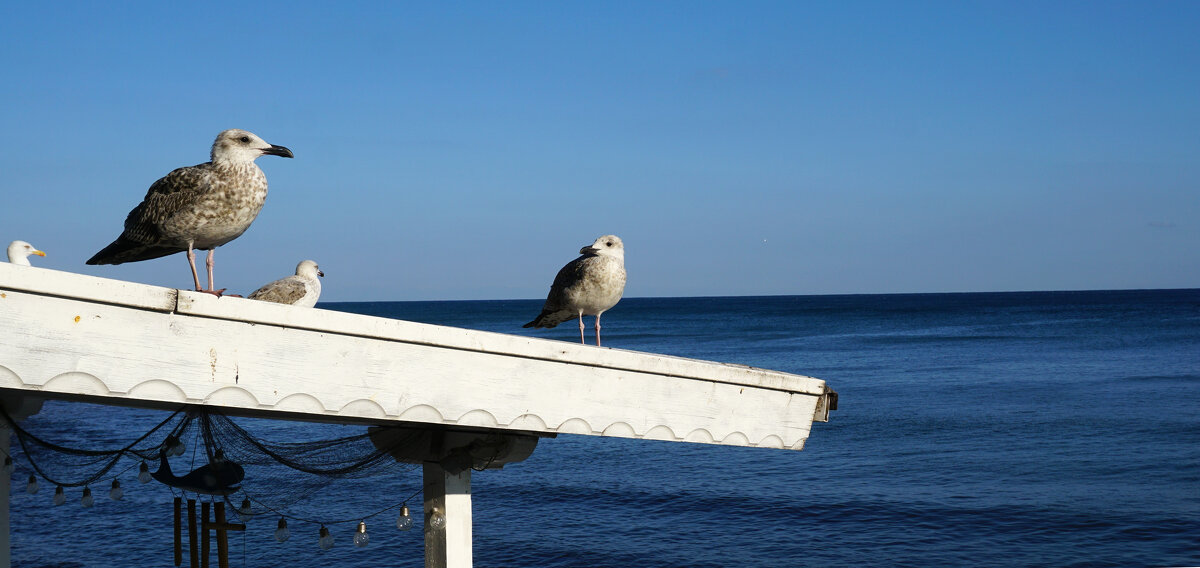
<point>198,207</point>
<point>302,290</point>
<point>588,285</point>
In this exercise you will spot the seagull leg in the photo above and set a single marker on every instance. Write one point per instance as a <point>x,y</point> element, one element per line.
<point>208,262</point>
<point>597,330</point>
<point>581,340</point>
<point>191,256</point>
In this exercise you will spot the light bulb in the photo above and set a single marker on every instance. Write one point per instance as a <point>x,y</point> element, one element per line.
<point>360,536</point>
<point>326,540</point>
<point>115,493</point>
<point>244,511</point>
<point>282,533</point>
<point>437,520</point>
<point>59,496</point>
<point>404,521</point>
<point>174,446</point>
<point>9,466</point>
<point>144,473</point>
<point>31,487</point>
<point>87,500</point>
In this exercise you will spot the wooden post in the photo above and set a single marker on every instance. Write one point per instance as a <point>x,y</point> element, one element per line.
<point>178,531</point>
<point>18,408</point>
<point>204,542</point>
<point>448,495</point>
<point>222,541</point>
<point>193,553</point>
<point>5,491</point>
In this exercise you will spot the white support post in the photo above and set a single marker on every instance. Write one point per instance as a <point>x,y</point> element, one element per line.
<point>449,495</point>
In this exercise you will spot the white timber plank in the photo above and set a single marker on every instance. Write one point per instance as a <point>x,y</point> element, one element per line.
<point>258,356</point>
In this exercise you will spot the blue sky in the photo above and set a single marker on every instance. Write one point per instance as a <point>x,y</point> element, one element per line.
<point>467,150</point>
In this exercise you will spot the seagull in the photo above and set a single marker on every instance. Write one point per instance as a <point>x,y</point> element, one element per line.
<point>588,285</point>
<point>302,290</point>
<point>19,251</point>
<point>198,207</point>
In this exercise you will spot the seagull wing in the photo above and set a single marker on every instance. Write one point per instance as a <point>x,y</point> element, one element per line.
<point>285,291</point>
<point>142,238</point>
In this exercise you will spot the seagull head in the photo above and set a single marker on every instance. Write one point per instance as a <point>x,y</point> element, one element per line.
<point>309,268</point>
<point>240,146</point>
<point>19,251</point>
<point>608,245</point>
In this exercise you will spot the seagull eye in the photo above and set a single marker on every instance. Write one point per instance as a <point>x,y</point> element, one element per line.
<point>245,139</point>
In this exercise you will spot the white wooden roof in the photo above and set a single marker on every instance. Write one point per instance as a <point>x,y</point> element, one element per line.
<point>65,335</point>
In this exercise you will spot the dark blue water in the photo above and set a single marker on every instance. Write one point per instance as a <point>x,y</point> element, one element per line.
<point>1019,429</point>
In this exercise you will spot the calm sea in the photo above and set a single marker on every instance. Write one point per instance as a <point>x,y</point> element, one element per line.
<point>1005,429</point>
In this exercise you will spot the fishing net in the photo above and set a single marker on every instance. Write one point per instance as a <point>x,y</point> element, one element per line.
<point>296,470</point>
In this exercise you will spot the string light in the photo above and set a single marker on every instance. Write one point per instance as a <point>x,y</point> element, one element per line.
<point>326,540</point>
<point>404,521</point>
<point>175,446</point>
<point>437,520</point>
<point>244,511</point>
<point>282,533</point>
<point>360,536</point>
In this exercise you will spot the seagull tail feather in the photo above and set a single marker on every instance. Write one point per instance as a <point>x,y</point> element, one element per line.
<point>127,250</point>
<point>549,318</point>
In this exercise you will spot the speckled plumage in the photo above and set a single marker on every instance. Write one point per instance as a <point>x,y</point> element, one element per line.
<point>197,207</point>
<point>588,285</point>
<point>302,290</point>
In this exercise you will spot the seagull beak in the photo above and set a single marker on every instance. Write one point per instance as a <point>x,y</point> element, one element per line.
<point>321,274</point>
<point>38,252</point>
<point>278,151</point>
<point>589,250</point>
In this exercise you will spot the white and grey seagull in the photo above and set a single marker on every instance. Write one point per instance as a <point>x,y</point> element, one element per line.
<point>302,290</point>
<point>588,285</point>
<point>197,207</point>
<point>19,251</point>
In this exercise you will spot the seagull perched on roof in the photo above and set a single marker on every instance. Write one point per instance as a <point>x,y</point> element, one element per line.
<point>588,285</point>
<point>198,207</point>
<point>302,290</point>
<point>19,251</point>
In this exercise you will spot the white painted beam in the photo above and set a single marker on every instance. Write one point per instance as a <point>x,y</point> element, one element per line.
<point>66,335</point>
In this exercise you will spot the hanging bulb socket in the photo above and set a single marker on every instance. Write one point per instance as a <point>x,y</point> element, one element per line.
<point>281,532</point>
<point>59,496</point>
<point>144,473</point>
<point>32,486</point>
<point>116,493</point>
<point>404,521</point>
<point>360,536</point>
<point>87,500</point>
<point>8,465</point>
<point>244,511</point>
<point>326,540</point>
